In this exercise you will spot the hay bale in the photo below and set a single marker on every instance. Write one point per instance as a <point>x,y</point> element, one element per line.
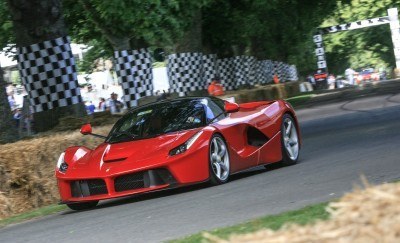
<point>27,169</point>
<point>370,215</point>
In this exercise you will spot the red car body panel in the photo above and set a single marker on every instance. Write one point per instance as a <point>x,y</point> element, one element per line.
<point>110,161</point>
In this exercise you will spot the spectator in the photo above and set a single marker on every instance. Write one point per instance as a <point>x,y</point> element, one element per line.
<point>17,116</point>
<point>102,105</point>
<point>114,105</point>
<point>350,75</point>
<point>11,101</point>
<point>311,80</point>
<point>276,79</point>
<point>331,81</point>
<point>163,96</point>
<point>90,107</point>
<point>215,88</point>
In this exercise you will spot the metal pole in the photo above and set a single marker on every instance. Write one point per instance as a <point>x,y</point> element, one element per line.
<point>395,29</point>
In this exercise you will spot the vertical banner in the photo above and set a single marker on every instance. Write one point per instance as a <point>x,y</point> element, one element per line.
<point>209,68</point>
<point>395,29</point>
<point>48,73</point>
<point>134,71</point>
<point>185,72</point>
<point>226,71</point>
<point>321,75</point>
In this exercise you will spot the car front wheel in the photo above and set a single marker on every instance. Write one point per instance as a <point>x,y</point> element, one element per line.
<point>290,141</point>
<point>219,160</point>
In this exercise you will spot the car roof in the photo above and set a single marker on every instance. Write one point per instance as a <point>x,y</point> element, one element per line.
<point>174,99</point>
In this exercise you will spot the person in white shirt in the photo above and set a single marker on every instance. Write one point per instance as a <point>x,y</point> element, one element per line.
<point>350,75</point>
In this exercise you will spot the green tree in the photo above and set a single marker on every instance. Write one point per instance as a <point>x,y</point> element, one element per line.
<point>368,47</point>
<point>35,21</point>
<point>8,130</point>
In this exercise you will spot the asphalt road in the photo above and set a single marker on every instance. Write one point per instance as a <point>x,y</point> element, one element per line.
<point>341,142</point>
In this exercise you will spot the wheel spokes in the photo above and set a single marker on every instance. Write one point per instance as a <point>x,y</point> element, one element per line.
<point>223,166</point>
<point>219,158</point>
<point>289,149</point>
<point>290,139</point>
<point>222,152</point>
<point>288,128</point>
<point>217,170</point>
<point>215,146</point>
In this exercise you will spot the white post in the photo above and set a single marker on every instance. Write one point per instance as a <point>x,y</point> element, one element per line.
<point>395,29</point>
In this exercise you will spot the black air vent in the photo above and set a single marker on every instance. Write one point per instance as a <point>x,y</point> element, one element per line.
<point>255,137</point>
<point>85,188</point>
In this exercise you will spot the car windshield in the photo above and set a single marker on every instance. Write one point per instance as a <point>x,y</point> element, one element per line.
<point>157,119</point>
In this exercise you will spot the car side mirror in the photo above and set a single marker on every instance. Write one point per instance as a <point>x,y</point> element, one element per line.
<point>86,129</point>
<point>231,107</point>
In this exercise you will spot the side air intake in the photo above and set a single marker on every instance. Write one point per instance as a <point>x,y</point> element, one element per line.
<point>255,137</point>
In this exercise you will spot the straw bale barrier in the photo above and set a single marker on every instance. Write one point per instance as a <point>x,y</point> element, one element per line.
<point>27,169</point>
<point>370,215</point>
<point>267,92</point>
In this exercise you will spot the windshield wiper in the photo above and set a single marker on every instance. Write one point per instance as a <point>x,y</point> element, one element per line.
<point>131,135</point>
<point>220,114</point>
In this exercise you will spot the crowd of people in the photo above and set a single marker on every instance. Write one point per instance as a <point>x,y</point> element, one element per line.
<point>113,105</point>
<point>350,78</point>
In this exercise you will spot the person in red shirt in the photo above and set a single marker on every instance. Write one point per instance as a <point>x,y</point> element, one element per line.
<point>215,88</point>
<point>276,79</point>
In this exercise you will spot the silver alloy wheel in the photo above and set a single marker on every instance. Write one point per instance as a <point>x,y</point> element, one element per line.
<point>290,138</point>
<point>219,158</point>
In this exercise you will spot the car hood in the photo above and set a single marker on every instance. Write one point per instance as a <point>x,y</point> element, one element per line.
<point>133,151</point>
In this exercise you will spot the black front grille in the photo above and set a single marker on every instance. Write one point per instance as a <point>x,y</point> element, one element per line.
<point>85,188</point>
<point>129,182</point>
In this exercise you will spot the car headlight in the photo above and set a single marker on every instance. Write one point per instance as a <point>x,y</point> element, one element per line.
<point>61,165</point>
<point>185,146</point>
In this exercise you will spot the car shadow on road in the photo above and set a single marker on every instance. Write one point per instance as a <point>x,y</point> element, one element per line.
<point>175,191</point>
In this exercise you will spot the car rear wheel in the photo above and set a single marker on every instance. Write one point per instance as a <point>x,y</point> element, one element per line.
<point>83,205</point>
<point>290,141</point>
<point>219,160</point>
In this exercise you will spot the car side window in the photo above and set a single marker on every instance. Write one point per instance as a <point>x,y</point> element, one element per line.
<point>215,108</point>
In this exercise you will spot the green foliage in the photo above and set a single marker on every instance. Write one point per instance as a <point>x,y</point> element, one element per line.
<point>277,30</point>
<point>44,211</point>
<point>367,47</point>
<point>307,215</point>
<point>6,31</point>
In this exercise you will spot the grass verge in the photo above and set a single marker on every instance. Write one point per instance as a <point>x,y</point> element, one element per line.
<point>33,214</point>
<point>299,100</point>
<point>306,215</point>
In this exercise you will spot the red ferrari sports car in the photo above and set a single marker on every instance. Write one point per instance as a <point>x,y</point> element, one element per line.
<point>177,142</point>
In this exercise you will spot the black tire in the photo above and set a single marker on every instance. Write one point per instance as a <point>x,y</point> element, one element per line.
<point>83,205</point>
<point>214,178</point>
<point>287,157</point>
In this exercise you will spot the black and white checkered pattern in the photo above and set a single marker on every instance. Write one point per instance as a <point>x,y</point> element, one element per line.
<point>185,72</point>
<point>284,71</point>
<point>279,70</point>
<point>226,72</point>
<point>292,73</point>
<point>209,68</point>
<point>248,70</point>
<point>266,71</point>
<point>48,73</point>
<point>134,71</point>
<point>193,71</point>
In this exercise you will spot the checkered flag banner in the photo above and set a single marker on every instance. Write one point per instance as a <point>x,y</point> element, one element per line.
<point>134,71</point>
<point>209,68</point>
<point>279,70</point>
<point>245,70</point>
<point>265,71</point>
<point>292,73</point>
<point>48,73</point>
<point>226,72</point>
<point>185,72</point>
